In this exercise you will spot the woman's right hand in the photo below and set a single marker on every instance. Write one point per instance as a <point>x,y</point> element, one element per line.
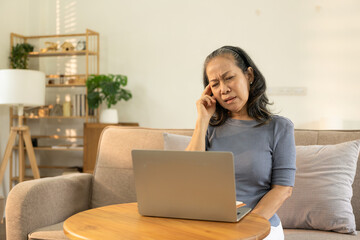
<point>206,105</point>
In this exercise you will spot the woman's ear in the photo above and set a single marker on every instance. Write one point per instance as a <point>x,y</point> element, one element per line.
<point>250,74</point>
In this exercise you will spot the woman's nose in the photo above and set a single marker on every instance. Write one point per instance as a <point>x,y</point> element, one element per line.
<point>224,88</point>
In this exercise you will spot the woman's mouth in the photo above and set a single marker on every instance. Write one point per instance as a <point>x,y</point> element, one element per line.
<point>229,100</point>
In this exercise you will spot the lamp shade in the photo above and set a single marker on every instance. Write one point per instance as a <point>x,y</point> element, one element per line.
<point>22,87</point>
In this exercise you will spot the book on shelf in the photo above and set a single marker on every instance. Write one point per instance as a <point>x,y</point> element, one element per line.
<point>73,112</point>
<point>79,105</point>
<point>83,105</point>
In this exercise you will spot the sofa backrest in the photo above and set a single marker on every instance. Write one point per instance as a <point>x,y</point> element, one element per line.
<point>113,177</point>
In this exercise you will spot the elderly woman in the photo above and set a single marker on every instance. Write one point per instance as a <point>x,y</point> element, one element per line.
<point>233,116</point>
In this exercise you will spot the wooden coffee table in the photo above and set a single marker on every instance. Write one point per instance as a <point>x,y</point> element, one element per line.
<point>122,221</point>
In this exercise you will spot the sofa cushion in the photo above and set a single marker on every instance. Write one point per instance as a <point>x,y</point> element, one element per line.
<point>335,137</point>
<point>322,193</point>
<point>175,141</point>
<point>302,234</point>
<point>52,232</point>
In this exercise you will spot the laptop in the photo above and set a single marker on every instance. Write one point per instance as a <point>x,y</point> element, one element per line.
<point>186,184</point>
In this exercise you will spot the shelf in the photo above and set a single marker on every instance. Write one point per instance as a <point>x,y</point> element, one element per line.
<point>88,32</point>
<point>81,83</point>
<point>26,178</point>
<point>53,167</point>
<point>54,117</point>
<point>61,54</point>
<point>67,85</point>
<point>55,136</point>
<point>74,149</point>
<point>65,75</point>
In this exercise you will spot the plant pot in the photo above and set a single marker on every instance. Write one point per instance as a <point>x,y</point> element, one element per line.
<point>109,116</point>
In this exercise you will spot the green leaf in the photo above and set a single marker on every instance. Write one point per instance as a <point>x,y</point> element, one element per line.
<point>19,55</point>
<point>106,88</point>
<point>94,99</point>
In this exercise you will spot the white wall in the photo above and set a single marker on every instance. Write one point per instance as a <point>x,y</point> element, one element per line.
<point>161,46</point>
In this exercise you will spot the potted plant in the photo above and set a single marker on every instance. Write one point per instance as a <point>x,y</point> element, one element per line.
<point>107,88</point>
<point>19,55</point>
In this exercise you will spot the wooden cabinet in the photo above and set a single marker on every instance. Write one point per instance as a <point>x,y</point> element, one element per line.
<point>92,132</point>
<point>58,138</point>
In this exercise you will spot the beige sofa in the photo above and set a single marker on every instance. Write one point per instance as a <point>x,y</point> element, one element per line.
<point>36,209</point>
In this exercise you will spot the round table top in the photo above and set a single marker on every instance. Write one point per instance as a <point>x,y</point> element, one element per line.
<point>122,221</point>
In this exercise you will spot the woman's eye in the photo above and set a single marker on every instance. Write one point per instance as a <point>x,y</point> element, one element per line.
<point>229,78</point>
<point>214,85</point>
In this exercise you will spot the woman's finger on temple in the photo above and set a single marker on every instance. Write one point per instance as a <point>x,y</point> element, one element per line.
<point>207,90</point>
<point>209,100</point>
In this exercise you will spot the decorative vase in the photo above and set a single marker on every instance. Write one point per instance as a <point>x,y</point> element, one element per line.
<point>109,116</point>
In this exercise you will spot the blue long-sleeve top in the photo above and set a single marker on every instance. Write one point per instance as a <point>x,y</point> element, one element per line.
<point>263,156</point>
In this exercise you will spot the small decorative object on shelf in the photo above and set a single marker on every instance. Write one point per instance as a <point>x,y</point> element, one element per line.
<point>81,45</point>
<point>62,79</point>
<point>71,81</point>
<point>57,109</point>
<point>31,112</point>
<point>51,46</point>
<point>43,111</point>
<point>67,46</point>
<point>67,106</point>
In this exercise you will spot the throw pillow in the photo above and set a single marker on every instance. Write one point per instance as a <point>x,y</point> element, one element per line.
<point>321,197</point>
<point>175,141</point>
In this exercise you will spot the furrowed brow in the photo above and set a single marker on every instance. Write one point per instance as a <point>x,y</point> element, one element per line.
<point>222,76</point>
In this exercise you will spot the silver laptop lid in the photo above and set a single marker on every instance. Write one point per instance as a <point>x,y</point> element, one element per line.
<point>181,184</point>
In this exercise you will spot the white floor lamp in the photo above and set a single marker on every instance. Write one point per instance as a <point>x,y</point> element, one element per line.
<point>21,88</point>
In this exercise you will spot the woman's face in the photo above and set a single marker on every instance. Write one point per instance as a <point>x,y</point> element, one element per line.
<point>230,85</point>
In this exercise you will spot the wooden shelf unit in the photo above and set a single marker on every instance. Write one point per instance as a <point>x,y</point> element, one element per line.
<point>58,117</point>
<point>90,57</point>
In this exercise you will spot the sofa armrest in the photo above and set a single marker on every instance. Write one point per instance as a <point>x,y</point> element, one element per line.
<point>42,202</point>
